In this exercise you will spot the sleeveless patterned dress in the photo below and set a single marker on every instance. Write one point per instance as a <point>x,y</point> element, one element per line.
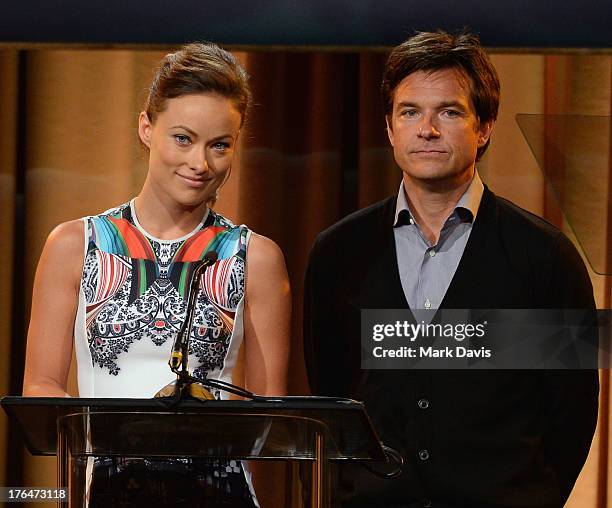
<point>132,303</point>
<point>133,300</point>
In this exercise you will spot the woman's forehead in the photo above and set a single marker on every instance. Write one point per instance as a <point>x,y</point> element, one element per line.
<point>201,110</point>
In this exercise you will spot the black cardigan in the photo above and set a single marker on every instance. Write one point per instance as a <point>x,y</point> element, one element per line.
<point>493,438</point>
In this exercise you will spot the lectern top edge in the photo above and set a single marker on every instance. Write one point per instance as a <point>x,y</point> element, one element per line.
<point>348,424</point>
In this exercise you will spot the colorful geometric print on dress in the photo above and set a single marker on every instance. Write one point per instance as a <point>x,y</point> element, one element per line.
<point>133,301</point>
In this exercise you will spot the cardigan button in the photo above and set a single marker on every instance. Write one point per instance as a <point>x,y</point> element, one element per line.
<point>423,403</point>
<point>423,455</point>
<point>427,503</point>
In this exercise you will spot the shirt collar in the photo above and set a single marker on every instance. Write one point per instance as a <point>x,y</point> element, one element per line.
<point>467,206</point>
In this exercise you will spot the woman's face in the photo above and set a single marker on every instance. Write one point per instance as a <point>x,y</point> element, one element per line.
<point>191,146</point>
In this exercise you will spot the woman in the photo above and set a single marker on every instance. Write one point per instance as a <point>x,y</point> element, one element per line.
<point>118,282</point>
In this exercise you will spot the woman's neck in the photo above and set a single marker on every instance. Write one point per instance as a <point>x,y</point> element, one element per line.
<point>166,221</point>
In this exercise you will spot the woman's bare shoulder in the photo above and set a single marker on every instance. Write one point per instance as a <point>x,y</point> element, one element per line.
<point>266,270</point>
<point>263,251</point>
<point>64,249</point>
<point>67,237</point>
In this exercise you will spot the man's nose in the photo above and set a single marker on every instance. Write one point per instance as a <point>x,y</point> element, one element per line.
<point>428,129</point>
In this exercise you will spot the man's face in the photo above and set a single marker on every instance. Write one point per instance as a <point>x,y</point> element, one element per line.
<point>434,130</point>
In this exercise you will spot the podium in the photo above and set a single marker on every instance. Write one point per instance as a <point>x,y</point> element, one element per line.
<point>309,430</point>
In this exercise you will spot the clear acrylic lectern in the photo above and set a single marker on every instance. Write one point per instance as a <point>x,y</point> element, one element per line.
<point>309,431</point>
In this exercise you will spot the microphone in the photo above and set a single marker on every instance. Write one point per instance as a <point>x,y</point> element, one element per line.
<point>180,348</point>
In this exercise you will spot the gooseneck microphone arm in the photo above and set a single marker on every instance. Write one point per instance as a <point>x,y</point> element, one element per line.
<point>179,357</point>
<point>180,349</point>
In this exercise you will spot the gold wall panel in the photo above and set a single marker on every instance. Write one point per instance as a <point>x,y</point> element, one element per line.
<point>8,140</point>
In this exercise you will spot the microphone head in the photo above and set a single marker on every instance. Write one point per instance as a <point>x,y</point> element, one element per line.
<point>210,257</point>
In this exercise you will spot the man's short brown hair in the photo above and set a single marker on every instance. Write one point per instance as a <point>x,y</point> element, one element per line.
<point>433,51</point>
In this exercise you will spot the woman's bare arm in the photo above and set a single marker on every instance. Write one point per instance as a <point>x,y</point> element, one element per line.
<point>267,318</point>
<point>54,306</point>
<point>267,324</point>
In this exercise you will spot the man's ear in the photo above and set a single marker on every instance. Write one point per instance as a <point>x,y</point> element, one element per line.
<point>389,130</point>
<point>484,132</point>
<point>144,129</point>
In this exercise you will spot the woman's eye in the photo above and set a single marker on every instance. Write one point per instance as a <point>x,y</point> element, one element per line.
<point>221,146</point>
<point>182,139</point>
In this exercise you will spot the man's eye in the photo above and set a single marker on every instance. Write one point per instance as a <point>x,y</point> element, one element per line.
<point>182,139</point>
<point>410,113</point>
<point>451,113</point>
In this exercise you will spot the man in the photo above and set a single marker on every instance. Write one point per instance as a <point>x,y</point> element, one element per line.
<point>505,438</point>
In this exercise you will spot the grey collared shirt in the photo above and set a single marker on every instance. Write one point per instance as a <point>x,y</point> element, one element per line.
<point>426,270</point>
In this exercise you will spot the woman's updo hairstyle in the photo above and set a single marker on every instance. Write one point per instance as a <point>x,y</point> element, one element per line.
<point>199,68</point>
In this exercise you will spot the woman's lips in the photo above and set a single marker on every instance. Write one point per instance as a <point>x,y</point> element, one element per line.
<point>192,182</point>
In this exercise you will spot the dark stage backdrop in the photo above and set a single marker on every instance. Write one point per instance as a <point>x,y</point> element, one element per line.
<point>502,23</point>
